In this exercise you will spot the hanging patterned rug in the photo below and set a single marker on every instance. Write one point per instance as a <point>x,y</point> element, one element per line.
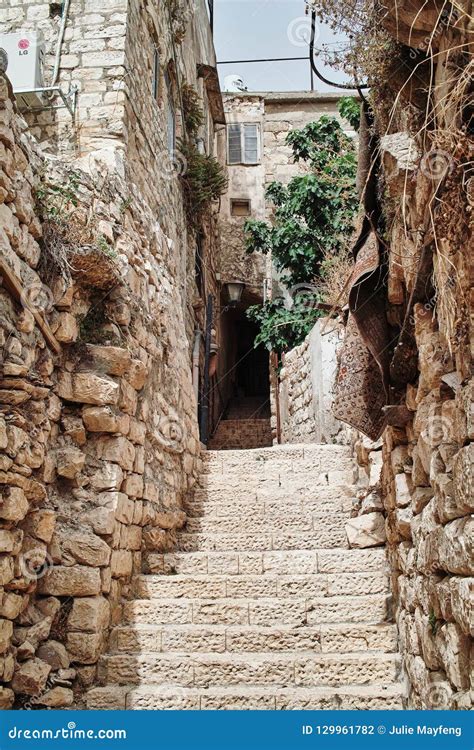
<point>361,389</point>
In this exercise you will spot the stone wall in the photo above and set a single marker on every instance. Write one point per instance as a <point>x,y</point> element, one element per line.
<point>98,432</point>
<point>427,469</point>
<point>92,59</point>
<point>119,58</point>
<point>305,388</point>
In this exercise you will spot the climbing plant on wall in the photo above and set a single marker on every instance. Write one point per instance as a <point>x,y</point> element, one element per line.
<point>312,221</point>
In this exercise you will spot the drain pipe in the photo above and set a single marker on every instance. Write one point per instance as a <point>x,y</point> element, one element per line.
<point>196,348</point>
<point>59,45</point>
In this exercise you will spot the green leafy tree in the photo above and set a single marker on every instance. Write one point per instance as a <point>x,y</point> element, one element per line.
<point>283,327</point>
<point>313,219</point>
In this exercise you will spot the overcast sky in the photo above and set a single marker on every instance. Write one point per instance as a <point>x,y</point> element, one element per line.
<point>245,29</point>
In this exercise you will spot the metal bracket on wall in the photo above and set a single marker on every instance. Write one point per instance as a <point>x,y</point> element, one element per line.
<point>69,99</point>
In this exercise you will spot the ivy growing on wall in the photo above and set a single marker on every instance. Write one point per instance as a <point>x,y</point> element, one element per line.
<point>204,179</point>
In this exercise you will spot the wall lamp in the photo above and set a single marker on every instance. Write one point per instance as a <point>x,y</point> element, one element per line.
<point>234,291</point>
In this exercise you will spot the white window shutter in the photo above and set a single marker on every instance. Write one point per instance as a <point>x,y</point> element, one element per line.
<point>235,144</point>
<point>250,144</point>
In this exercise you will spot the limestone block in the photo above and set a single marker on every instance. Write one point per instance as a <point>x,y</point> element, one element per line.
<point>375,467</point>
<point>54,653</point>
<point>117,449</point>
<point>108,477</point>
<point>74,428</point>
<point>105,419</point>
<point>35,634</point>
<point>84,648</point>
<point>57,697</point>
<point>367,530</point>
<point>101,520</point>
<point>66,329</point>
<point>133,485</point>
<point>137,431</point>
<point>13,504</point>
<point>463,476</point>
<point>31,677</point>
<point>431,359</point>
<point>6,632</point>
<point>399,458</point>
<point>120,503</point>
<point>85,548</point>
<point>454,649</point>
<point>7,698</point>
<point>137,374</point>
<point>89,615</point>
<point>6,570</point>
<point>121,563</point>
<point>455,546</point>
<point>461,595</point>
<point>69,462</point>
<point>11,605</point>
<point>111,360</point>
<point>40,524</point>
<point>420,498</point>
<point>87,387</point>
<point>75,580</point>
<point>128,398</point>
<point>402,490</point>
<point>8,540</point>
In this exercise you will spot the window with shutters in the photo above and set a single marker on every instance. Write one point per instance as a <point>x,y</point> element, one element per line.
<point>243,143</point>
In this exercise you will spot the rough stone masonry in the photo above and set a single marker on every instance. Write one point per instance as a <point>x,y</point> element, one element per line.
<point>98,443</point>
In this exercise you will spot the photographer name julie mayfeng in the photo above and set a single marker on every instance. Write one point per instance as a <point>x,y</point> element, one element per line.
<point>381,729</point>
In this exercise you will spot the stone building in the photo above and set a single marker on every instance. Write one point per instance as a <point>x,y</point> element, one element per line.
<point>255,150</point>
<point>105,280</point>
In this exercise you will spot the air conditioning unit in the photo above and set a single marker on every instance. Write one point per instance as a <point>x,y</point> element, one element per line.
<point>22,56</point>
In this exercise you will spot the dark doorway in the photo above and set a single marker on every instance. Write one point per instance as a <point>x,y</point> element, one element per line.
<point>252,371</point>
<point>244,386</point>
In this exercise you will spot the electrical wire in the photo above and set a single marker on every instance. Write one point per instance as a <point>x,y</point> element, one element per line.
<point>358,86</point>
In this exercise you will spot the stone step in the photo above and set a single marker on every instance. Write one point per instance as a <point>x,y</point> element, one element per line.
<point>254,587</point>
<point>372,609</point>
<point>305,669</point>
<point>299,562</point>
<point>293,456</point>
<point>167,697</point>
<point>317,500</point>
<point>323,537</point>
<point>248,523</point>
<point>281,484</point>
<point>345,638</point>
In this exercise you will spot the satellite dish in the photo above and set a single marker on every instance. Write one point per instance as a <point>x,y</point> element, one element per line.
<point>234,83</point>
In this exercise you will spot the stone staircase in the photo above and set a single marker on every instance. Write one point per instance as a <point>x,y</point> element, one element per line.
<point>263,605</point>
<point>238,434</point>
